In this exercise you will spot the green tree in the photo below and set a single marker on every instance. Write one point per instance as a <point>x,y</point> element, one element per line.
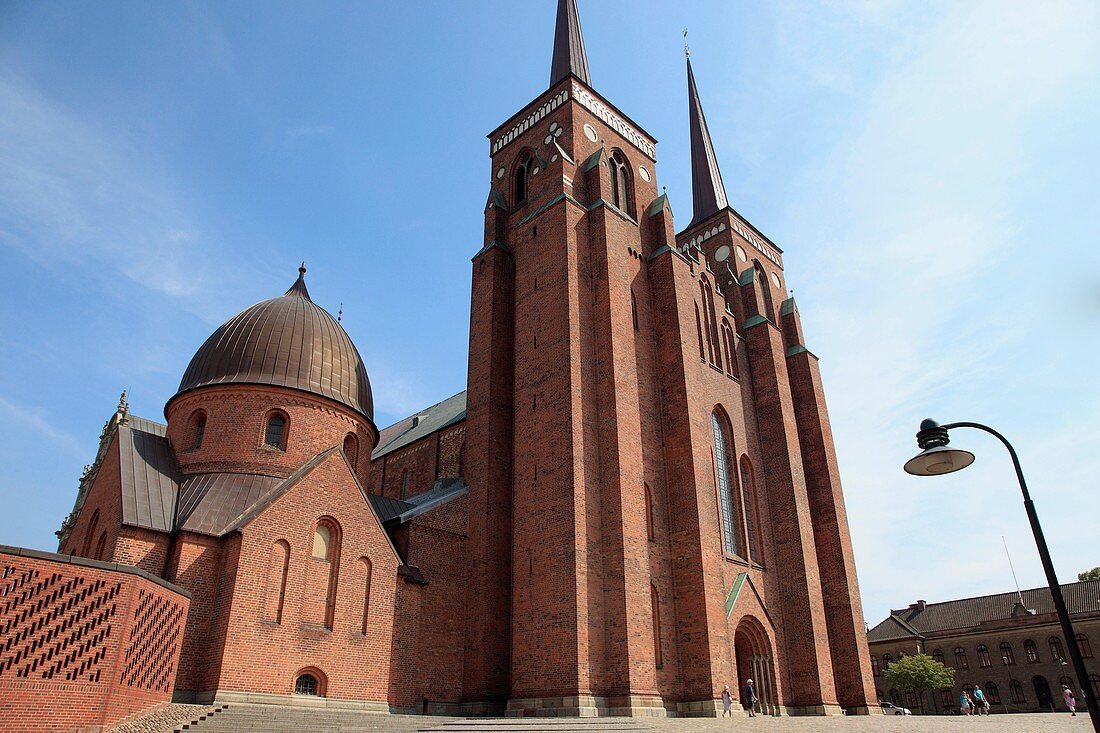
<point>919,673</point>
<point>1093,574</point>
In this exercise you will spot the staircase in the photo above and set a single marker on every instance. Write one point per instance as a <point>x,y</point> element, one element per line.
<point>248,718</point>
<point>540,725</point>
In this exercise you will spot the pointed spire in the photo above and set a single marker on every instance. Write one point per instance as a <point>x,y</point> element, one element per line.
<point>299,286</point>
<point>569,56</point>
<point>708,194</point>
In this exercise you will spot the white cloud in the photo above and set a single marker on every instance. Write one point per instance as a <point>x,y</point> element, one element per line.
<point>35,420</point>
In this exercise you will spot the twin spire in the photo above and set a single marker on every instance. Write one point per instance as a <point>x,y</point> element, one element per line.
<point>708,193</point>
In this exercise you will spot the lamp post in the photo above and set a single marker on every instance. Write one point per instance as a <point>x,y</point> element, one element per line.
<point>937,458</point>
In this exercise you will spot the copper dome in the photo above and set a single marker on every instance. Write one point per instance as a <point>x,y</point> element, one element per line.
<point>286,342</point>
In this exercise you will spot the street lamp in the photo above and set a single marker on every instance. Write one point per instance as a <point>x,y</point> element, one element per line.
<point>937,458</point>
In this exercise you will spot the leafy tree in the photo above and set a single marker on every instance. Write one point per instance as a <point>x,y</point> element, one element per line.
<point>1093,574</point>
<point>919,673</point>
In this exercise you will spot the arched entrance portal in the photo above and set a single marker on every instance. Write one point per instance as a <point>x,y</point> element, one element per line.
<point>1042,693</point>
<point>753,655</point>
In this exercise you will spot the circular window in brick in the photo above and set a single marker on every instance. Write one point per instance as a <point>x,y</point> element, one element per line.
<point>590,132</point>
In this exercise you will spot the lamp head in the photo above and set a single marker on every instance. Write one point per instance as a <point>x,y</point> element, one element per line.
<point>935,457</point>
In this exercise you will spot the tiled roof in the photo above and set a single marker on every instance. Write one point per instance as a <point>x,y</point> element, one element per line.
<point>149,477</point>
<point>423,423</point>
<point>1083,597</point>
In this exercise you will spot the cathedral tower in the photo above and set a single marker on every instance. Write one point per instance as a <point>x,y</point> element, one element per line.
<point>654,497</point>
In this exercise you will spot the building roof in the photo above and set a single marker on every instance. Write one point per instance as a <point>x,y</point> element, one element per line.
<point>148,474</point>
<point>927,618</point>
<point>414,427</point>
<point>708,193</point>
<point>287,342</point>
<point>569,56</point>
<point>209,502</point>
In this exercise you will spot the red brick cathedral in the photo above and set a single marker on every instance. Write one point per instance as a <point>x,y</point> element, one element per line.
<point>635,502</point>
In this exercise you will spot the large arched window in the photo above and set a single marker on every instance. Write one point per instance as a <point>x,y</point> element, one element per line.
<point>1031,652</point>
<point>960,658</point>
<point>748,500</point>
<point>522,175</point>
<point>620,183</point>
<point>1017,692</point>
<point>1007,657</point>
<point>351,448</point>
<point>275,430</point>
<point>278,565</point>
<point>983,656</point>
<point>723,454</point>
<point>1056,651</point>
<point>324,570</point>
<point>197,428</point>
<point>1084,645</point>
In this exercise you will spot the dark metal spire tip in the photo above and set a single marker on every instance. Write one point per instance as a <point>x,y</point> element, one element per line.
<point>299,287</point>
<point>569,56</point>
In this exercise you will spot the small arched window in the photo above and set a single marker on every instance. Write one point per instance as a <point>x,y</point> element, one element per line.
<point>277,568</point>
<point>322,541</point>
<point>960,658</point>
<point>723,457</point>
<point>887,660</point>
<point>620,183</point>
<point>1017,692</point>
<point>1084,645</point>
<point>875,671</point>
<point>983,656</point>
<point>1007,657</point>
<point>275,431</point>
<point>1031,651</point>
<point>364,568</point>
<point>748,501</point>
<point>351,448</point>
<point>309,682</point>
<point>325,570</point>
<point>1056,651</point>
<point>937,656</point>
<point>523,173</point>
<point>198,428</point>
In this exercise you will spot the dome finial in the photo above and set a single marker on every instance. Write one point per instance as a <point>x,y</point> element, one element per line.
<point>299,286</point>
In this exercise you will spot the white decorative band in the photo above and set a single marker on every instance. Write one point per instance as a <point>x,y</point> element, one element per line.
<point>598,108</point>
<point>525,124</point>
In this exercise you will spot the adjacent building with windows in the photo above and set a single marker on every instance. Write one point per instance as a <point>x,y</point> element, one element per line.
<point>635,502</point>
<point>1013,650</point>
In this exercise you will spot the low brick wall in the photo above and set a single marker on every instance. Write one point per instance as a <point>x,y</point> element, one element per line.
<point>83,644</point>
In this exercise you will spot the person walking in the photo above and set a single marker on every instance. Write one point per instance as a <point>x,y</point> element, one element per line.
<point>981,705</point>
<point>964,703</point>
<point>727,702</point>
<point>750,698</point>
<point>1071,700</point>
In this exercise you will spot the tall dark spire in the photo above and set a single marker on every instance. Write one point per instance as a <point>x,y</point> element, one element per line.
<point>569,56</point>
<point>708,194</point>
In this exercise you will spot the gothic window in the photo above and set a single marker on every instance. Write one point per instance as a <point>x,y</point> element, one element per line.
<point>983,656</point>
<point>875,669</point>
<point>960,658</point>
<point>523,172</point>
<point>709,325</point>
<point>655,601</point>
<point>748,500</point>
<point>1017,692</point>
<point>648,512</point>
<point>275,432</point>
<point>992,693</point>
<point>277,568</point>
<point>90,534</point>
<point>364,566</point>
<point>326,557</point>
<point>699,333</point>
<point>198,428</point>
<point>937,656</point>
<point>620,183</point>
<point>101,546</point>
<point>1031,651</point>
<point>1006,654</point>
<point>351,448</point>
<point>1084,646</point>
<point>723,473</point>
<point>765,289</point>
<point>404,483</point>
<point>1056,650</point>
<point>729,346</point>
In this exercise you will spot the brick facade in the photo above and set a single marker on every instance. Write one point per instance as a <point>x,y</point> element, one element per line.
<point>640,503</point>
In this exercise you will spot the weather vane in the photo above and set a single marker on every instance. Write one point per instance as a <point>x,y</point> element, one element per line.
<point>687,49</point>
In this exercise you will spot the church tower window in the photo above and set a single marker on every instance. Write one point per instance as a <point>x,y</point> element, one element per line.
<point>723,473</point>
<point>275,432</point>
<point>198,428</point>
<point>620,183</point>
<point>523,172</point>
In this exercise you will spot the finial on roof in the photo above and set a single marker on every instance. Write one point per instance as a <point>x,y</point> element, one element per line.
<point>708,193</point>
<point>299,286</point>
<point>569,56</point>
<point>687,49</point>
<point>122,412</point>
<point>340,313</point>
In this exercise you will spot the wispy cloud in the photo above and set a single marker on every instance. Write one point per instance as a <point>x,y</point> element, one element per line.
<point>35,420</point>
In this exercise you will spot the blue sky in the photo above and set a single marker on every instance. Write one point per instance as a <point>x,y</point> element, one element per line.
<point>930,170</point>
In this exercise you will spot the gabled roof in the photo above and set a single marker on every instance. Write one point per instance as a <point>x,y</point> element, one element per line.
<point>209,502</point>
<point>413,428</point>
<point>925,618</point>
<point>148,475</point>
<point>393,512</point>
